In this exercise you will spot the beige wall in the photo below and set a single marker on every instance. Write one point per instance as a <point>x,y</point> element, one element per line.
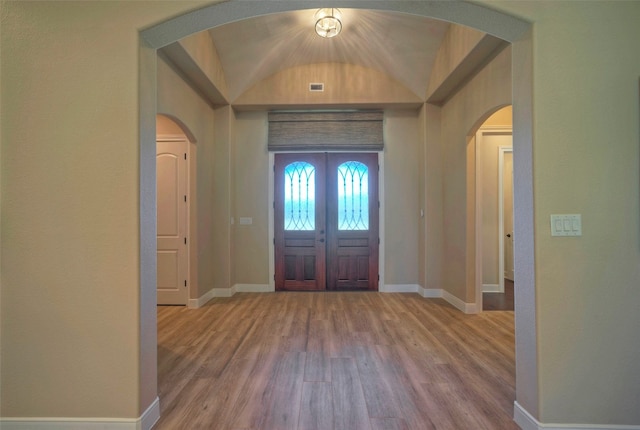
<point>461,117</point>
<point>345,84</point>
<point>586,94</point>
<point>432,261</point>
<point>402,156</point>
<point>252,199</point>
<point>402,177</point>
<point>179,101</point>
<point>70,315</point>
<point>70,71</point>
<point>222,174</point>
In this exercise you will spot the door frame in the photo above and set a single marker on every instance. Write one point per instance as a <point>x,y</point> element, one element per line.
<point>501,152</point>
<point>271,210</point>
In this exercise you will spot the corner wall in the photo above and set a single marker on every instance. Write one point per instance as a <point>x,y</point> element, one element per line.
<point>461,116</point>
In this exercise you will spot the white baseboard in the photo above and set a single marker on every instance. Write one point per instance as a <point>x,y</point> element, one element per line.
<point>151,416</point>
<point>491,288</point>
<point>431,293</point>
<point>467,308</point>
<point>253,288</point>
<point>145,422</point>
<point>228,292</point>
<point>399,288</point>
<point>527,422</point>
<point>212,293</point>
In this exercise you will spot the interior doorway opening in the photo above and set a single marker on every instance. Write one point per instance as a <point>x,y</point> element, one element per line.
<point>494,235</point>
<point>176,257</point>
<point>507,27</point>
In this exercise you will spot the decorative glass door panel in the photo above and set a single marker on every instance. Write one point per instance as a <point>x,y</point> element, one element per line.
<point>300,218</point>
<point>299,196</point>
<point>353,196</point>
<point>326,234</point>
<point>352,201</point>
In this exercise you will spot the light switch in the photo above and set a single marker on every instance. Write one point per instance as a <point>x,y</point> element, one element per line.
<point>246,221</point>
<point>566,225</point>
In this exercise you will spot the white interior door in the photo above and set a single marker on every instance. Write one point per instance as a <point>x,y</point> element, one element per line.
<point>171,162</point>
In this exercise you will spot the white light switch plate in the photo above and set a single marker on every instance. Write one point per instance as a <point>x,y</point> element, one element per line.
<point>246,221</point>
<point>566,225</point>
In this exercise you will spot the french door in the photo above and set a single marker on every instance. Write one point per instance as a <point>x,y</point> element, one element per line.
<point>326,221</point>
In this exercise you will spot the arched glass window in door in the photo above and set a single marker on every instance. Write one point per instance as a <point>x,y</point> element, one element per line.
<point>353,196</point>
<point>299,196</point>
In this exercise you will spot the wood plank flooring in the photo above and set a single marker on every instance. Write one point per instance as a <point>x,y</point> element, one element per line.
<point>347,360</point>
<point>499,301</point>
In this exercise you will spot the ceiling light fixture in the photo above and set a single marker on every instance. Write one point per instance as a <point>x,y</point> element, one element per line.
<point>328,22</point>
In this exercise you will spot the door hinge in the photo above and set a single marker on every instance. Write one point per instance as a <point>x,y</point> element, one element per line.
<point>185,155</point>
<point>378,277</point>
<point>185,282</point>
<point>185,198</point>
<point>185,240</point>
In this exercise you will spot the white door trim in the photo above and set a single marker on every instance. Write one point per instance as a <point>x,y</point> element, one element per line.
<point>501,151</point>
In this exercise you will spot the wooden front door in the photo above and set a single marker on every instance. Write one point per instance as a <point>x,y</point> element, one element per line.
<point>326,216</point>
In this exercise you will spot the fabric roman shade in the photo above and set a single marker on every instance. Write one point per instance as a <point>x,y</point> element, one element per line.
<point>325,131</point>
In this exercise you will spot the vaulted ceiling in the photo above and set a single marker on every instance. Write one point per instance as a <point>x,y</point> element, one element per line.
<point>400,46</point>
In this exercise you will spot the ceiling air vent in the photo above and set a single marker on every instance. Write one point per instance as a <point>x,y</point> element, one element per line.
<point>316,87</point>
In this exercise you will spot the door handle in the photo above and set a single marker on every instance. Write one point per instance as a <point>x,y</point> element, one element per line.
<point>508,234</point>
<point>321,240</point>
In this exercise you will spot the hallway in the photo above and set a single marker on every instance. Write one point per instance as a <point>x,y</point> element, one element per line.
<point>334,361</point>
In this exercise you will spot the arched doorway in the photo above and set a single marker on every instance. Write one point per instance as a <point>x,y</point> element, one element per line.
<point>504,26</point>
<point>492,138</point>
<point>176,230</point>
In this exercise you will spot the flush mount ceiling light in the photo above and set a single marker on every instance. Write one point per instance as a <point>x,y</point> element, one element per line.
<point>328,22</point>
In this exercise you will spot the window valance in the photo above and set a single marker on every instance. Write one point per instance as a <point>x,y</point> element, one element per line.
<point>326,131</point>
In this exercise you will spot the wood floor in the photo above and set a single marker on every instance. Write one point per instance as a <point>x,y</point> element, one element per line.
<point>348,360</point>
<point>499,301</point>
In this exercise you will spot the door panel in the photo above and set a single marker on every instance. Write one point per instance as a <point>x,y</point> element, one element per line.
<point>172,261</point>
<point>300,222</point>
<point>352,219</point>
<point>338,248</point>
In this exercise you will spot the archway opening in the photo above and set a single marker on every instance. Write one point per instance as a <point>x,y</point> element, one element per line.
<point>504,26</point>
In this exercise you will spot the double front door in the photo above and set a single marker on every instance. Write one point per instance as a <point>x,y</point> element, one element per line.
<point>326,221</point>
